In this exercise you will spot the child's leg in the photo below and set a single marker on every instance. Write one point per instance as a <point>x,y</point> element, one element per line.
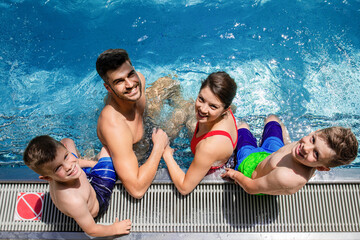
<point>243,125</point>
<point>245,137</point>
<point>246,143</point>
<point>272,118</point>
<point>103,153</point>
<point>272,137</point>
<point>84,163</point>
<point>285,133</point>
<point>70,146</point>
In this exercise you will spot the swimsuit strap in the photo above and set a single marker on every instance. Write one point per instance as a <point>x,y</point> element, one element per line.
<point>217,167</point>
<point>234,144</point>
<point>195,140</point>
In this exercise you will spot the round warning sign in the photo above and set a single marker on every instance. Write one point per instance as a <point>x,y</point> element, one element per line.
<point>29,206</point>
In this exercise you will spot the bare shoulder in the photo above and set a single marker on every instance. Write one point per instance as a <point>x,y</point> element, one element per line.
<point>110,120</point>
<point>109,115</point>
<point>67,200</point>
<point>288,179</point>
<point>142,79</point>
<point>141,76</point>
<point>217,147</point>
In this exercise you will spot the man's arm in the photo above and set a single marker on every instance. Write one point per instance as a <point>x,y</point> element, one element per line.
<point>77,209</point>
<point>118,138</point>
<point>277,182</point>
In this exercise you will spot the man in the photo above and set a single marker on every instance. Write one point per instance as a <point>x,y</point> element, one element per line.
<point>120,124</point>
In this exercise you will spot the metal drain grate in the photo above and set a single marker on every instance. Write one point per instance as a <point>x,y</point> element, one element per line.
<point>222,207</point>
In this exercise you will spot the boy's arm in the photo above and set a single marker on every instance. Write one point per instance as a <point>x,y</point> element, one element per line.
<point>277,182</point>
<point>80,212</point>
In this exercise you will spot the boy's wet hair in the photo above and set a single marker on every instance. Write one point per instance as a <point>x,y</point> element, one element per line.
<point>343,142</point>
<point>110,59</point>
<point>222,85</point>
<point>41,150</point>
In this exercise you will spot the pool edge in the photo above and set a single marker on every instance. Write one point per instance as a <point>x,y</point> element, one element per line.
<point>336,175</point>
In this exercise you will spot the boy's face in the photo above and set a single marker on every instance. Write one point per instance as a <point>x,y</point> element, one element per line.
<point>64,168</point>
<point>312,151</point>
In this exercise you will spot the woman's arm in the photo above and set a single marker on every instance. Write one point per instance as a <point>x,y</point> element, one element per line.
<point>207,152</point>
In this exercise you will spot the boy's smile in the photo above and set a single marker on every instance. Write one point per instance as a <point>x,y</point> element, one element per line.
<point>312,151</point>
<point>65,167</point>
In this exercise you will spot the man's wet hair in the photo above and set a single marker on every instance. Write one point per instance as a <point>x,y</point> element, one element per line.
<point>110,59</point>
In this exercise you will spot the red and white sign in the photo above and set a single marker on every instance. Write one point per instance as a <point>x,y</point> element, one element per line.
<point>29,206</point>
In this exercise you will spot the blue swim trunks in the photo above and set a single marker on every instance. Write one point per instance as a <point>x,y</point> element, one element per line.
<point>102,178</point>
<point>249,155</point>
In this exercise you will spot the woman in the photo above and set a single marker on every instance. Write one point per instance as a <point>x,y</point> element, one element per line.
<point>215,136</point>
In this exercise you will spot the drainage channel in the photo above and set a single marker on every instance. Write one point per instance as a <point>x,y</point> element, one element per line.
<point>219,210</point>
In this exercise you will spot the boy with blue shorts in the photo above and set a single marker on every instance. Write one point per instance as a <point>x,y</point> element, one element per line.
<point>278,168</point>
<point>82,195</point>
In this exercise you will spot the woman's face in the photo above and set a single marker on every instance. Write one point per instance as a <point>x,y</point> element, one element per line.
<point>208,106</point>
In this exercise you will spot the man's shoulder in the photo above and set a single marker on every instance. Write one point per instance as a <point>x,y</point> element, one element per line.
<point>112,127</point>
<point>108,111</point>
<point>110,117</point>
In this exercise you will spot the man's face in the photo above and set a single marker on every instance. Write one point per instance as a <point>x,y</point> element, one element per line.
<point>124,83</point>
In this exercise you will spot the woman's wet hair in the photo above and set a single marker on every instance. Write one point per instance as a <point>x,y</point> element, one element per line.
<point>222,85</point>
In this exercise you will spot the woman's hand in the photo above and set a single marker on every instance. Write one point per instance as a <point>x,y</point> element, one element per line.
<point>168,152</point>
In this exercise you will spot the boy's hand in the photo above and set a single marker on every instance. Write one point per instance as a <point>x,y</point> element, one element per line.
<point>233,174</point>
<point>122,227</point>
<point>230,173</point>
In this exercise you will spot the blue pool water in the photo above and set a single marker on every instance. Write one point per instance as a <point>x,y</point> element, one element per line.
<point>297,59</point>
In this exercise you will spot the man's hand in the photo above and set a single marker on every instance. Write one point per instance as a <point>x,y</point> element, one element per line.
<point>160,138</point>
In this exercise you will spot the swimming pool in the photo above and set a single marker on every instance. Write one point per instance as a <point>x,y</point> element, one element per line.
<point>297,59</point>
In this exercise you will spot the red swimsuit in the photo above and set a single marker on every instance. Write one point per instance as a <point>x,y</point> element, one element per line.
<point>195,140</point>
